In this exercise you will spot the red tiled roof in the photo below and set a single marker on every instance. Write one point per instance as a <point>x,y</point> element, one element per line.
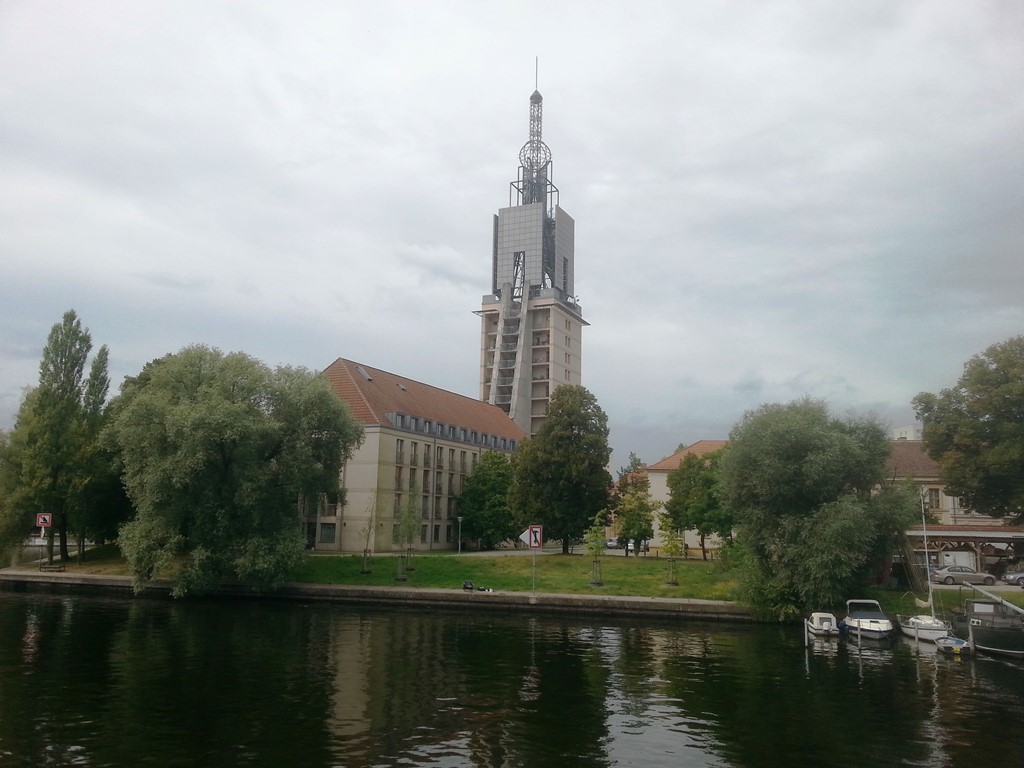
<point>371,394</point>
<point>699,448</point>
<point>908,459</point>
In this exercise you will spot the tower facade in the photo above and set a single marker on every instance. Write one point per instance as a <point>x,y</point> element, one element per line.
<point>531,323</point>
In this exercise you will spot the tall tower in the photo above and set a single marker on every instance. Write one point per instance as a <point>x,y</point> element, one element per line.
<point>531,325</point>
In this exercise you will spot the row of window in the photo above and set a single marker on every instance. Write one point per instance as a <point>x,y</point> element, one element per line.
<point>416,424</point>
<point>438,457</point>
<point>329,533</point>
<point>417,482</point>
<point>437,507</point>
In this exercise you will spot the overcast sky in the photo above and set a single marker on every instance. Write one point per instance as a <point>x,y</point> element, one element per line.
<point>771,199</point>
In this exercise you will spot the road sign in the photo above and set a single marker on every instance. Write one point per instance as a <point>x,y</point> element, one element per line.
<point>533,537</point>
<point>43,520</point>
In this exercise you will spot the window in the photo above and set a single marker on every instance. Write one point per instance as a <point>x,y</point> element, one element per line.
<point>426,426</point>
<point>423,534</point>
<point>414,448</point>
<point>399,451</point>
<point>437,534</point>
<point>398,504</point>
<point>398,478</point>
<point>327,533</point>
<point>934,498</point>
<point>412,479</point>
<point>448,534</point>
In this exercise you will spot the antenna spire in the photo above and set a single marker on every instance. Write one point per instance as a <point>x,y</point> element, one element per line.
<point>536,72</point>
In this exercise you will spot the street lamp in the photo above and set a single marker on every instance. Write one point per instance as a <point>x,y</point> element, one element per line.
<point>459,518</point>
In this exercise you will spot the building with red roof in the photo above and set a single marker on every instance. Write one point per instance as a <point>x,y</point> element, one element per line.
<point>420,443</point>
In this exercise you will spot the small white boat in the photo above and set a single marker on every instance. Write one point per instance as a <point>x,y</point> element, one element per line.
<point>865,620</point>
<point>953,646</point>
<point>924,627</point>
<point>821,624</point>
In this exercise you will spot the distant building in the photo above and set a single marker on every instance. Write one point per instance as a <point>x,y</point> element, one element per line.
<point>658,475</point>
<point>420,444</point>
<point>909,432</point>
<point>957,527</point>
<point>531,324</point>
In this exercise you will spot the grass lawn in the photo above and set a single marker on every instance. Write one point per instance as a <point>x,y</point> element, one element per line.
<point>556,573</point>
<point>564,574</point>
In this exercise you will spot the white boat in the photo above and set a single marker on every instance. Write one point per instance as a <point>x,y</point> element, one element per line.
<point>923,626</point>
<point>953,646</point>
<point>821,624</point>
<point>865,620</point>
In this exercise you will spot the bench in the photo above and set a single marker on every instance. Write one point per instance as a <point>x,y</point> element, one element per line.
<point>51,566</point>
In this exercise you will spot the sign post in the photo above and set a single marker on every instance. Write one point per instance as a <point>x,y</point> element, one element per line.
<point>44,520</point>
<point>533,537</point>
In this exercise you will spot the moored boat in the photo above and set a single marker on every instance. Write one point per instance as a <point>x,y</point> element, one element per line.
<point>822,624</point>
<point>924,627</point>
<point>865,620</point>
<point>991,624</point>
<point>952,646</point>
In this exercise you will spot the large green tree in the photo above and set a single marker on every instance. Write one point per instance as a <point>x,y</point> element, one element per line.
<point>693,503</point>
<point>54,451</point>
<point>217,449</point>
<point>975,431</point>
<point>483,503</point>
<point>814,516</point>
<point>560,478</point>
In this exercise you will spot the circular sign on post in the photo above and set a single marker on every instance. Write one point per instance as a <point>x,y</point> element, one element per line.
<point>43,520</point>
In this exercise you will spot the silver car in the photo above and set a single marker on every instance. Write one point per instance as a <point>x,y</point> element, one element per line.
<point>1015,579</point>
<point>961,574</point>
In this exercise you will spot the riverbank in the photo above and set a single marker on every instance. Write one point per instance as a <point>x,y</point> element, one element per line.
<point>30,579</point>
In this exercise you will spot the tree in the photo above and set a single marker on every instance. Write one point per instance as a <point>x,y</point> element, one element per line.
<point>483,503</point>
<point>559,476</point>
<point>635,472</point>
<point>975,431</point>
<point>635,519</point>
<point>693,503</point>
<point>408,520</point>
<point>217,451</point>
<point>812,514</point>
<point>61,469</point>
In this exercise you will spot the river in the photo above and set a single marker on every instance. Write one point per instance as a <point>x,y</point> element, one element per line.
<point>90,681</point>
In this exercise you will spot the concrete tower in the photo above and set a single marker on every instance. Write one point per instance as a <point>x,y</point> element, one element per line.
<point>531,322</point>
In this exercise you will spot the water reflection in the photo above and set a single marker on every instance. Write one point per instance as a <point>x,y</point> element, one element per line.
<point>118,682</point>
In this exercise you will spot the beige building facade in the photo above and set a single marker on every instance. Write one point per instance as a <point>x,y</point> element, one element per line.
<point>420,444</point>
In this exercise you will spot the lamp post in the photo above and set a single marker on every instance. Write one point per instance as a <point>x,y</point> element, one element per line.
<point>459,518</point>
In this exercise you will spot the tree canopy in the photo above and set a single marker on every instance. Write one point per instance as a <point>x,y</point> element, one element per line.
<point>813,515</point>
<point>693,503</point>
<point>975,431</point>
<point>560,478</point>
<point>217,450</point>
<point>483,503</point>
<point>53,461</point>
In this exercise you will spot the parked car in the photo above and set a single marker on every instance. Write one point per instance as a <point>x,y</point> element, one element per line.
<point>961,574</point>
<point>1016,578</point>
<point>612,544</point>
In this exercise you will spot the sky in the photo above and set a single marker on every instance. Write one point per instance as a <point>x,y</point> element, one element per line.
<point>772,200</point>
